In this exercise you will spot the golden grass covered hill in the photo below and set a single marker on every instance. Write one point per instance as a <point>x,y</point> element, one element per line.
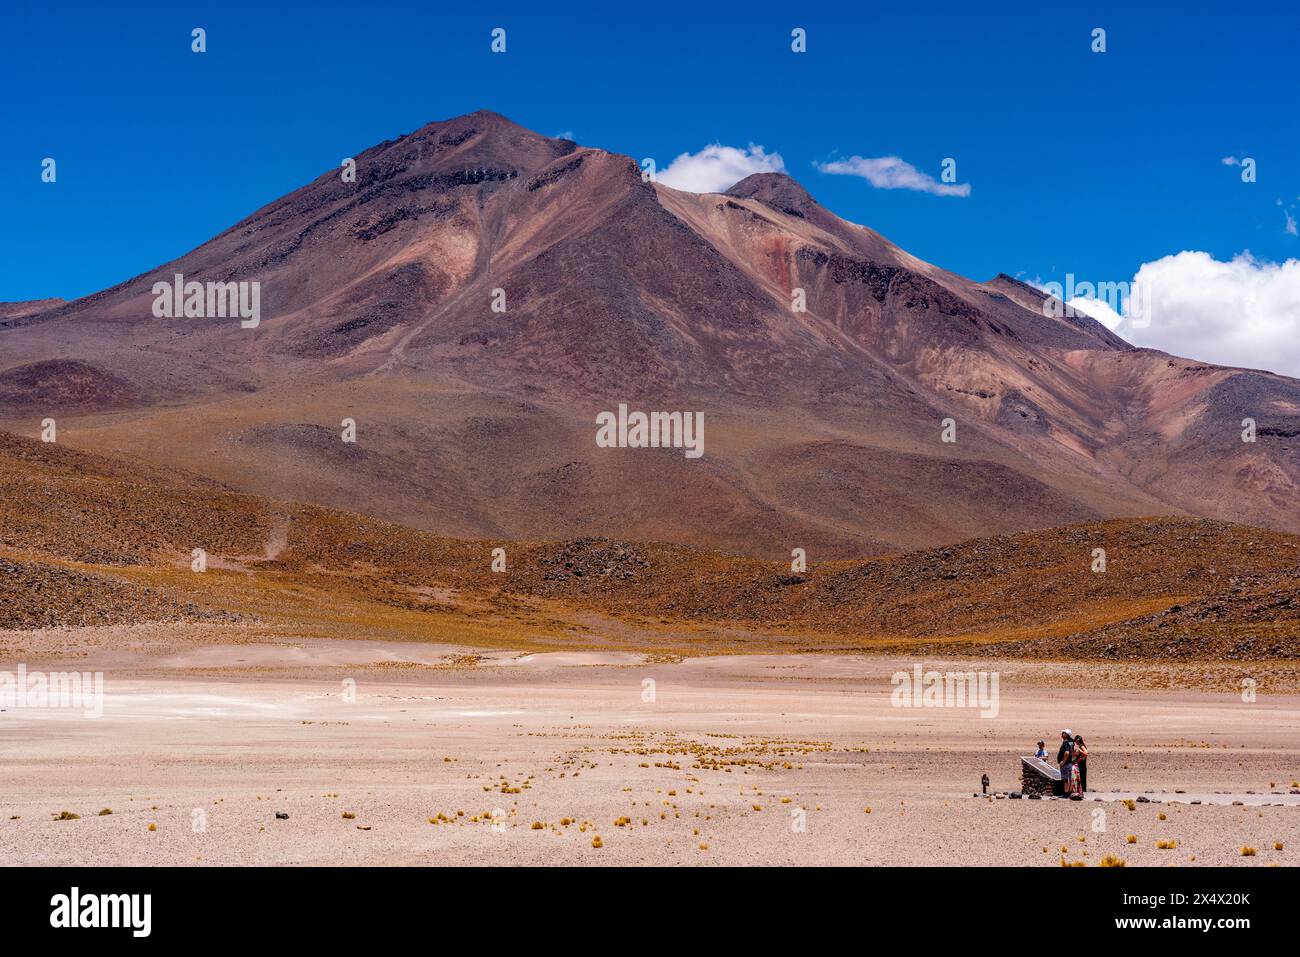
<point>87,539</point>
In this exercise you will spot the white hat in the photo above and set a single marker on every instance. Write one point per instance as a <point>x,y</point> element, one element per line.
<point>1067,731</point>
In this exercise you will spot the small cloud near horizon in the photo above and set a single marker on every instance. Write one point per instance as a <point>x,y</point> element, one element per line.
<point>717,168</point>
<point>892,172</point>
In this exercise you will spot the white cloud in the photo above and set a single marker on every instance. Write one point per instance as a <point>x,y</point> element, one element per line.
<point>1098,309</point>
<point>1230,161</point>
<point>891,172</point>
<point>1239,313</point>
<point>716,168</point>
<point>1290,227</point>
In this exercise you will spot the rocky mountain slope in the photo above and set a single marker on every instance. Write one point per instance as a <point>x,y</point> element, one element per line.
<point>823,427</point>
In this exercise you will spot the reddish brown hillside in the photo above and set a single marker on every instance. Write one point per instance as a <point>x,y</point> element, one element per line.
<point>822,428</point>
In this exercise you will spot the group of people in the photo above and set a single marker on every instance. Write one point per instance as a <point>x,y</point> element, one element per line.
<point>1072,757</point>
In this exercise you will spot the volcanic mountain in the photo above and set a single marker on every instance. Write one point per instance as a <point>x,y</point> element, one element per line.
<point>480,293</point>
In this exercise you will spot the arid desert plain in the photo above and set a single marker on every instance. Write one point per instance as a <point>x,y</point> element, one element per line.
<point>401,753</point>
<point>411,557</point>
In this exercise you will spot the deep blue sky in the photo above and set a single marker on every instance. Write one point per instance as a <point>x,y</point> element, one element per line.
<point>1080,162</point>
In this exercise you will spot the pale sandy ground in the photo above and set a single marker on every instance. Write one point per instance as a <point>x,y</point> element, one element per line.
<point>230,734</point>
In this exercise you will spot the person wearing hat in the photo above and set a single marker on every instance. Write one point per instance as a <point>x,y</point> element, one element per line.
<point>1067,745</point>
<point>1041,753</point>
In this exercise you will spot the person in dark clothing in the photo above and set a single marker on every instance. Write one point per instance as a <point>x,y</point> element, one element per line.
<point>1081,759</point>
<point>1065,759</point>
<point>1067,746</point>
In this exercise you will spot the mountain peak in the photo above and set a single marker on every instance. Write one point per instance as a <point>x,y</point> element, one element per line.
<point>493,126</point>
<point>1034,299</point>
<point>478,117</point>
<point>461,149</point>
<point>1002,279</point>
<point>777,190</point>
